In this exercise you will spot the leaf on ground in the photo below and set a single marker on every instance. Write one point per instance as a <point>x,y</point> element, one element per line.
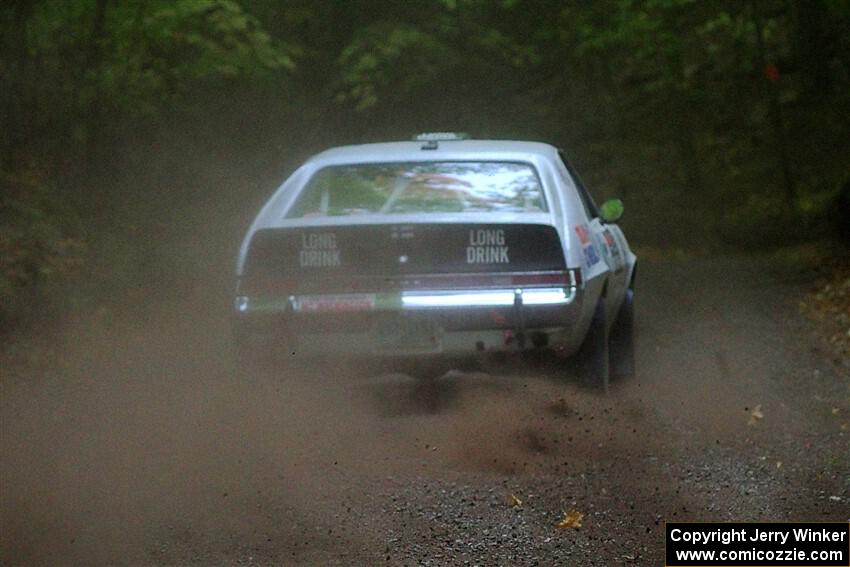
<point>515,501</point>
<point>572,519</point>
<point>756,415</point>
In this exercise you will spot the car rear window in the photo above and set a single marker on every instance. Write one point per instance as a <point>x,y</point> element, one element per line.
<point>421,187</point>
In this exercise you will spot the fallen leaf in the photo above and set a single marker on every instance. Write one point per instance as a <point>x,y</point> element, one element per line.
<point>756,415</point>
<point>572,519</point>
<point>515,502</point>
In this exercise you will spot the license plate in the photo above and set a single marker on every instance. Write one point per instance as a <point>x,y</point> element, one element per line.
<point>335,303</point>
<point>408,334</point>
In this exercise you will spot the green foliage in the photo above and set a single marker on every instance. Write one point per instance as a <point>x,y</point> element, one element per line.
<point>40,243</point>
<point>148,53</point>
<point>191,39</point>
<point>131,108</point>
<point>385,57</point>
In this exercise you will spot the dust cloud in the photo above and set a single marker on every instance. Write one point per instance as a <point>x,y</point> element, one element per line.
<point>142,443</point>
<point>145,428</point>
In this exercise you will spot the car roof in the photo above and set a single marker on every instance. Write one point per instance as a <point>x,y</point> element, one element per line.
<point>445,150</point>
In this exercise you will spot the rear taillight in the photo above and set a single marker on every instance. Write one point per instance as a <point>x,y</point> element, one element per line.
<point>500,280</point>
<point>568,278</point>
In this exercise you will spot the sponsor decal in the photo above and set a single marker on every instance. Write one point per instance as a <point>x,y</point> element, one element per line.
<point>611,242</point>
<point>487,246</point>
<point>590,255</point>
<point>318,250</point>
<point>583,234</point>
<point>335,303</point>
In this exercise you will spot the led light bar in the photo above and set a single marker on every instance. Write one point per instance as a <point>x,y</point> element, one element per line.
<point>488,297</point>
<point>482,298</point>
<point>485,297</point>
<point>555,296</point>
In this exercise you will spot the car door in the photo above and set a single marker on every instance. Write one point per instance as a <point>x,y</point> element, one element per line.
<point>608,238</point>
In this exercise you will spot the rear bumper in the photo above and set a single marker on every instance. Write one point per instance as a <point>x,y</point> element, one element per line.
<point>445,322</point>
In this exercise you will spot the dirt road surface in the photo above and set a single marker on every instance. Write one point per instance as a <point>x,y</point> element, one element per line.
<point>143,446</point>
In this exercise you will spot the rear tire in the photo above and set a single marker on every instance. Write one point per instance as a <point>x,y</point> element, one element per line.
<point>425,371</point>
<point>593,356</point>
<point>623,340</point>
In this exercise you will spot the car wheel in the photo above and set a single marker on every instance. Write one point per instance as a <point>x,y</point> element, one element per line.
<point>623,340</point>
<point>593,356</point>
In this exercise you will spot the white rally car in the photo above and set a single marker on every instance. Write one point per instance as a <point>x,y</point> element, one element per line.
<point>437,249</point>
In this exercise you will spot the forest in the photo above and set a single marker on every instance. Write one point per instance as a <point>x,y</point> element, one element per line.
<point>138,136</point>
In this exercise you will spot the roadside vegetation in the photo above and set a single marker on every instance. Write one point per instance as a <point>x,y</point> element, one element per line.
<point>828,303</point>
<point>721,124</point>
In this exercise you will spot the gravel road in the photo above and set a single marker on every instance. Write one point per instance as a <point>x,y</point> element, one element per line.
<point>142,446</point>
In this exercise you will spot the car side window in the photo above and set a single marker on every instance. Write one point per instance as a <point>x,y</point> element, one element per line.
<point>586,200</point>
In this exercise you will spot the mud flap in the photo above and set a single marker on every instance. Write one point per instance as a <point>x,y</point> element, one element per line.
<point>593,356</point>
<point>622,340</point>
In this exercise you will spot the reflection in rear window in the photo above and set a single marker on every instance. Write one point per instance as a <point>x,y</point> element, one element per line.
<point>421,187</point>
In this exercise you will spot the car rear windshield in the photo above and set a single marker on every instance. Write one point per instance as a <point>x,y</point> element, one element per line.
<point>421,187</point>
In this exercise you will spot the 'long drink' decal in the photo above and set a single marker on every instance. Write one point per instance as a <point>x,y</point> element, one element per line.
<point>318,250</point>
<point>487,246</point>
<point>303,253</point>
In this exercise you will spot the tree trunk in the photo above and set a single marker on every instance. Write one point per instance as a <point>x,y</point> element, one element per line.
<point>777,123</point>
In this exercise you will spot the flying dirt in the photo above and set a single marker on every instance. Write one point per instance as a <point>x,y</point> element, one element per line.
<point>146,446</point>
